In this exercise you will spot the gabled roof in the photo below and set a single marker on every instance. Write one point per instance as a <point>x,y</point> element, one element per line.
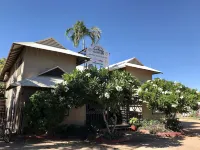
<point>17,48</point>
<point>54,72</point>
<point>134,63</point>
<point>46,79</point>
<point>51,42</point>
<point>38,81</point>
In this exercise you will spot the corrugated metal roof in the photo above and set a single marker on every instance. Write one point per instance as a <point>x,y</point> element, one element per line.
<point>50,48</point>
<point>51,42</point>
<point>126,63</point>
<point>17,47</point>
<point>39,81</point>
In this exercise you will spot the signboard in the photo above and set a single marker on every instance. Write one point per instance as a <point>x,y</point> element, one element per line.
<point>99,57</point>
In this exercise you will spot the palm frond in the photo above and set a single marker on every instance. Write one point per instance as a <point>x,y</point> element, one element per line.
<point>79,31</point>
<point>69,32</point>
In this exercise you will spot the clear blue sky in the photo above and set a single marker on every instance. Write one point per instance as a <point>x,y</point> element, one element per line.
<point>164,35</point>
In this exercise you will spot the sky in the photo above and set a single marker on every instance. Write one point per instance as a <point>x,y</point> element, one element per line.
<point>164,35</point>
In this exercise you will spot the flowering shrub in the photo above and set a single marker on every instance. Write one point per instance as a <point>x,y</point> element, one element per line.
<point>109,90</point>
<point>168,97</point>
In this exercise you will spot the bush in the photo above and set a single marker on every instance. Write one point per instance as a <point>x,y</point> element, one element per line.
<point>43,112</point>
<point>173,124</point>
<point>153,126</point>
<point>72,131</point>
<point>134,121</point>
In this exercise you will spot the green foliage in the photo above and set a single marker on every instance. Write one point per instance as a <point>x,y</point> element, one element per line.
<point>134,121</point>
<point>153,126</point>
<point>173,124</point>
<point>109,90</point>
<point>44,112</point>
<point>168,97</point>
<point>2,63</point>
<point>79,31</point>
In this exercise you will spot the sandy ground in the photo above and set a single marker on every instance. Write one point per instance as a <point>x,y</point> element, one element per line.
<point>139,142</point>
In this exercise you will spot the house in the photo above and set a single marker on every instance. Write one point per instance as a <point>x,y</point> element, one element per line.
<point>142,73</point>
<point>31,66</point>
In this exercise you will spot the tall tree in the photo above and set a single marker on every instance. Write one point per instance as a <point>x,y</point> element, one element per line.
<point>2,63</point>
<point>79,32</point>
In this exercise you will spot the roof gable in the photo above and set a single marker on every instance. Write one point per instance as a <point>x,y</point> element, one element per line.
<point>51,42</point>
<point>54,72</point>
<point>135,61</point>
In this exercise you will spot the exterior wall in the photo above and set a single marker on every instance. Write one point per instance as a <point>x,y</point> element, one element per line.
<point>12,95</point>
<point>76,116</point>
<point>34,62</point>
<point>38,61</point>
<point>142,75</point>
<point>147,114</point>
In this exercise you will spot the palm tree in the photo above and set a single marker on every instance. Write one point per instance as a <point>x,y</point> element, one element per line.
<point>79,31</point>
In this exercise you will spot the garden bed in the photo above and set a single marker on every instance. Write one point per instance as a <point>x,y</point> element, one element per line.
<point>163,134</point>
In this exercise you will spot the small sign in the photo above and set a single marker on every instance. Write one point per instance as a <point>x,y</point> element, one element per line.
<point>99,57</point>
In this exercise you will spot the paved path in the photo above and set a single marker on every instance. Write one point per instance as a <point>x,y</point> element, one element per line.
<point>140,142</point>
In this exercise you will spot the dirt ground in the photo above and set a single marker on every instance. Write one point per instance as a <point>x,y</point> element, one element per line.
<point>139,142</point>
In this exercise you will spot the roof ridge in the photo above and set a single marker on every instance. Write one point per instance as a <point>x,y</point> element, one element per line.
<point>50,42</point>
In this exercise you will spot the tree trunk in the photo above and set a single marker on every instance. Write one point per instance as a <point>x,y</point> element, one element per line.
<point>83,43</point>
<point>115,122</point>
<point>106,122</point>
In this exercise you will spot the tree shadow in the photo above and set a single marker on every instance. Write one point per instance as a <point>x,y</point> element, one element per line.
<point>153,141</point>
<point>191,128</point>
<point>137,140</point>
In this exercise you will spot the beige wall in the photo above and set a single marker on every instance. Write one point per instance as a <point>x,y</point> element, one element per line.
<point>142,75</point>
<point>38,61</point>
<point>76,116</point>
<point>12,95</point>
<point>147,114</point>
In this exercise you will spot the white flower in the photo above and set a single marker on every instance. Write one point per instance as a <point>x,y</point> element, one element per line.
<point>180,87</point>
<point>174,105</point>
<point>178,91</point>
<point>52,91</point>
<point>181,97</point>
<point>197,92</point>
<point>66,89</point>
<point>97,92</point>
<point>160,89</point>
<point>107,95</point>
<point>146,90</point>
<point>88,75</point>
<point>154,85</point>
<point>139,90</point>
<point>163,92</point>
<point>148,81</point>
<point>119,88</point>
<point>65,83</point>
